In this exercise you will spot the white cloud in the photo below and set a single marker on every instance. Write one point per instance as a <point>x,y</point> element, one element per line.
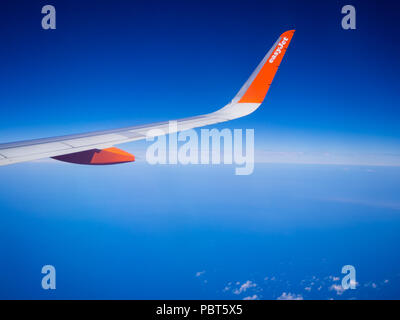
<point>253,297</point>
<point>270,278</point>
<point>248,284</point>
<point>290,296</point>
<point>338,288</point>
<point>370,284</point>
<point>307,289</point>
<point>354,283</point>
<point>199,273</point>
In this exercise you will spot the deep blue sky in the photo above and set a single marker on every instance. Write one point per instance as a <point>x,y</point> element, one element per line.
<point>111,64</point>
<point>139,231</point>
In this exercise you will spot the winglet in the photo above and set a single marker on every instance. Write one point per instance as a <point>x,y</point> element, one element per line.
<point>256,87</point>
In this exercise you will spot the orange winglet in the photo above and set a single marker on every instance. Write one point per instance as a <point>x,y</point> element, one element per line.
<point>261,83</point>
<point>98,157</point>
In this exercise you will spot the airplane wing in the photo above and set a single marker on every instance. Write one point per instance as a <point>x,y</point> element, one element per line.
<point>97,148</point>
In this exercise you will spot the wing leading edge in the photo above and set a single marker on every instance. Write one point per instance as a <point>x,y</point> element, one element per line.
<point>247,100</point>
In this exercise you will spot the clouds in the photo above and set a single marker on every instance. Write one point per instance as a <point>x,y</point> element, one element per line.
<point>248,284</point>
<point>337,288</point>
<point>253,297</point>
<point>280,287</point>
<point>290,296</point>
<point>199,273</point>
<point>249,287</point>
<point>376,284</point>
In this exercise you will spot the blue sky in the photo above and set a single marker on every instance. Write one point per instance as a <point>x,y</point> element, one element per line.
<point>141,231</point>
<point>108,66</point>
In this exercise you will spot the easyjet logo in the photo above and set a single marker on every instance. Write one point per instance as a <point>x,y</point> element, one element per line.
<point>278,49</point>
